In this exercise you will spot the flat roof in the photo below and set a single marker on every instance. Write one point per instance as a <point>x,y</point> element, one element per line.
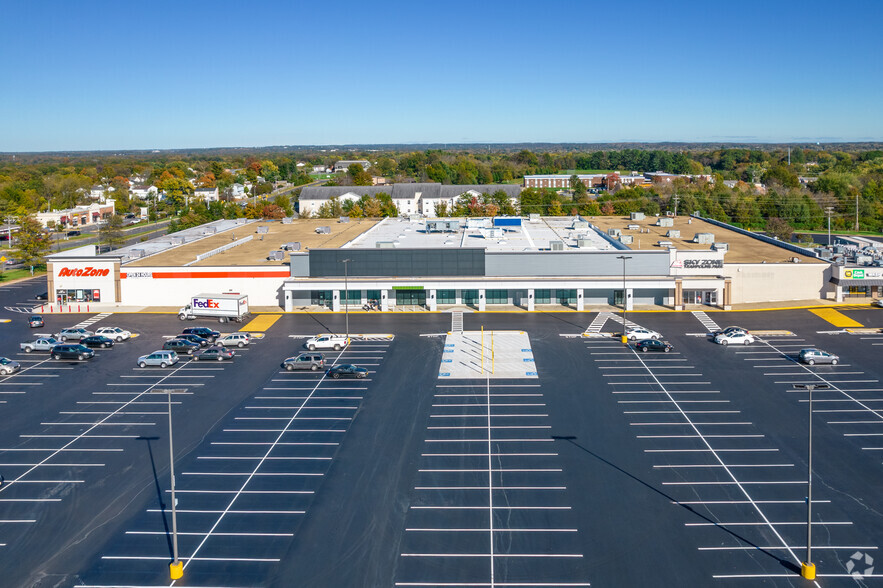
<point>253,252</point>
<point>741,248</point>
<point>530,236</point>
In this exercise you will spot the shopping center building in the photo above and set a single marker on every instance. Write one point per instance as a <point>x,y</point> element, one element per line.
<point>433,264</point>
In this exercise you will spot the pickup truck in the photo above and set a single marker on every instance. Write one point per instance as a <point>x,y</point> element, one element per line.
<point>335,342</point>
<point>41,344</point>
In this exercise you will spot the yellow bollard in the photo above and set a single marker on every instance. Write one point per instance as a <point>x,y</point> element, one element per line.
<point>808,571</point>
<point>625,340</point>
<point>176,570</point>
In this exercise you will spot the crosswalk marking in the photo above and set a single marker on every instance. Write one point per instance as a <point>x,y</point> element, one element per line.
<point>709,324</point>
<point>457,321</point>
<point>92,320</point>
<point>598,322</point>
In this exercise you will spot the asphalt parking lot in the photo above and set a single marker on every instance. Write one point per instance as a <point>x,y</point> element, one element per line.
<point>609,467</point>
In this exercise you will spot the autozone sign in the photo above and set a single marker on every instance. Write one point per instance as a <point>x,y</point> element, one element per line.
<point>87,272</point>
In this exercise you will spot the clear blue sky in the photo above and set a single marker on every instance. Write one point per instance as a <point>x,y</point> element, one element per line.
<point>127,75</point>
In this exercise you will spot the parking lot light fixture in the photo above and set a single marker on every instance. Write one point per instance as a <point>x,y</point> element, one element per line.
<point>176,568</point>
<point>346,296</point>
<point>624,302</point>
<point>807,568</point>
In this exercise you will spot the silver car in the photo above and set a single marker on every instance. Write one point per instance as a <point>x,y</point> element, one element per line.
<point>812,356</point>
<point>75,334</point>
<point>8,366</point>
<point>160,357</point>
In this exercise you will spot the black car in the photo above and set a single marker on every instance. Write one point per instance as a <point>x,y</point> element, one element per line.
<point>73,233</point>
<point>203,332</point>
<point>72,351</point>
<point>347,371</point>
<point>97,341</point>
<point>194,339</point>
<point>180,346</point>
<point>653,345</point>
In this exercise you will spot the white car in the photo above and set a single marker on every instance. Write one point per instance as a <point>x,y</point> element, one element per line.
<point>335,342</point>
<point>640,333</point>
<point>878,302</point>
<point>734,338</point>
<point>115,333</point>
<point>234,340</point>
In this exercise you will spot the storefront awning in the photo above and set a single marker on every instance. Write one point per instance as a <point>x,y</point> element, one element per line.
<point>842,282</point>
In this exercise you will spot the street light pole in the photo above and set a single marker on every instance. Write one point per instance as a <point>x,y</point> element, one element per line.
<point>624,303</point>
<point>807,568</point>
<point>176,568</point>
<point>346,295</point>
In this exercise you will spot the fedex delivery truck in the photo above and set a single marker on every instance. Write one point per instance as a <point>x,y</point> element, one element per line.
<point>224,307</point>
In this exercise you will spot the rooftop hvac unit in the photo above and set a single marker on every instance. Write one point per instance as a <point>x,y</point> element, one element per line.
<point>665,244</point>
<point>614,232</point>
<point>721,246</point>
<point>210,230</point>
<point>637,216</point>
<point>556,245</point>
<point>263,230</point>
<point>534,217</point>
<point>665,222</point>
<point>293,246</point>
<point>414,218</point>
<point>634,227</point>
<point>276,256</point>
<point>136,252</point>
<point>323,230</point>
<point>495,233</point>
<point>795,260</point>
<point>579,224</point>
<point>626,239</point>
<point>176,239</point>
<point>584,243</point>
<point>862,259</point>
<point>673,234</point>
<point>343,219</point>
<point>287,220</point>
<point>385,245</point>
<point>703,238</point>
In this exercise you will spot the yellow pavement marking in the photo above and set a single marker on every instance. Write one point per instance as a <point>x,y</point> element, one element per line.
<point>261,322</point>
<point>836,318</point>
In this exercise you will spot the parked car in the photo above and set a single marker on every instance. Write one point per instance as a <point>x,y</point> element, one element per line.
<point>305,361</point>
<point>72,351</point>
<point>161,357</point>
<point>194,339</point>
<point>812,356</point>
<point>234,340</point>
<point>41,344</point>
<point>878,302</point>
<point>347,370</point>
<point>203,332</point>
<point>216,352</point>
<point>73,233</point>
<point>734,338</point>
<point>180,346</point>
<point>640,333</point>
<point>97,341</point>
<point>35,321</point>
<point>42,296</point>
<point>653,345</point>
<point>8,366</point>
<point>335,342</point>
<point>76,334</point>
<point>115,333</point>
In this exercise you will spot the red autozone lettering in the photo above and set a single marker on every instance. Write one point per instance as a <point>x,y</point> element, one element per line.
<point>82,272</point>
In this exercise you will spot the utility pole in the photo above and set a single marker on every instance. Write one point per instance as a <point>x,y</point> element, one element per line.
<point>789,156</point>
<point>829,211</point>
<point>856,211</point>
<point>624,298</point>
<point>676,199</point>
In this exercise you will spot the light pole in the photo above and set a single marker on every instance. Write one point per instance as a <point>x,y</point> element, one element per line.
<point>176,568</point>
<point>624,303</point>
<point>807,568</point>
<point>346,296</point>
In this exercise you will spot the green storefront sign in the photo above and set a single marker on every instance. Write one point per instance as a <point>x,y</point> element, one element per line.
<point>407,287</point>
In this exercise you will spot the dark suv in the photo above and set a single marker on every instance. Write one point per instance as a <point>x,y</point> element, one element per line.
<point>181,346</point>
<point>203,332</point>
<point>72,351</point>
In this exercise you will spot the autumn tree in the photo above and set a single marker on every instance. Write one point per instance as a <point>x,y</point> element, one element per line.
<point>111,232</point>
<point>33,243</point>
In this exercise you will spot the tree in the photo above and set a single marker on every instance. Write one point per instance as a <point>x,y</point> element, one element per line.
<point>359,176</point>
<point>111,232</point>
<point>272,211</point>
<point>33,243</point>
<point>780,228</point>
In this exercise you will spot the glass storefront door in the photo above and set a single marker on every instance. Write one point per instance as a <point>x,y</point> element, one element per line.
<point>410,297</point>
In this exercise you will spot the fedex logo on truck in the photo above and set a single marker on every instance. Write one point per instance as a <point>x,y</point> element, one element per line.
<point>207,303</point>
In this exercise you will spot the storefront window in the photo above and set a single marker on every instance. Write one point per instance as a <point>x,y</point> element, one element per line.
<point>320,297</point>
<point>497,296</point>
<point>470,297</point>
<point>565,296</point>
<point>859,291</point>
<point>543,296</point>
<point>446,296</point>
<point>373,295</point>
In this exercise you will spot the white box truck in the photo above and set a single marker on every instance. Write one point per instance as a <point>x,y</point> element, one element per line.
<point>224,307</point>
